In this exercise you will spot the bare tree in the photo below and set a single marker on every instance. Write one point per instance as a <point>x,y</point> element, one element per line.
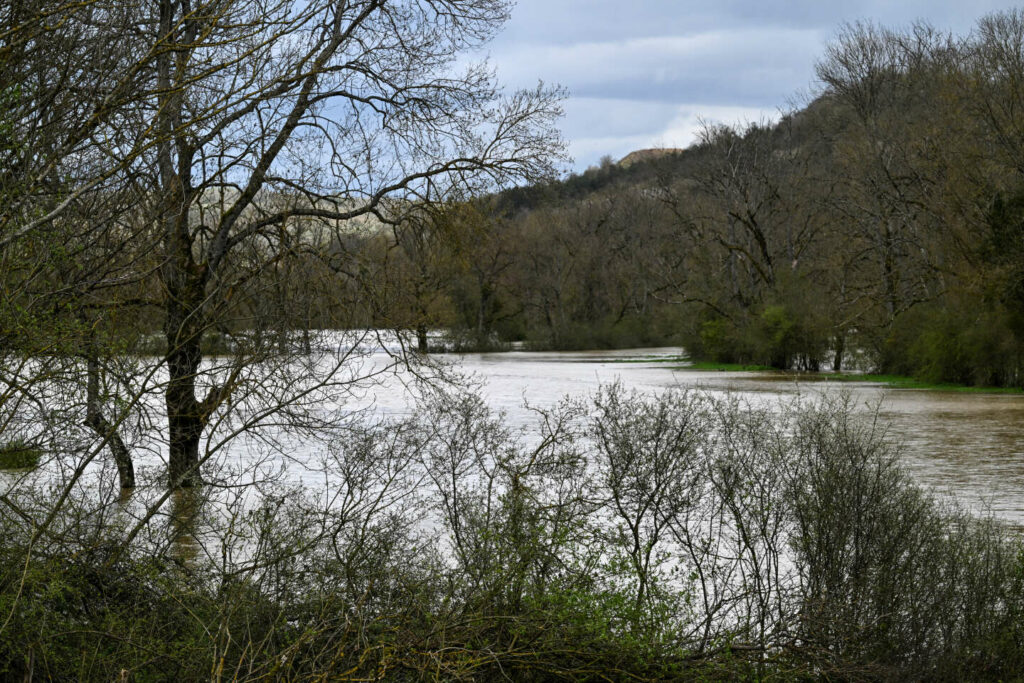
<point>72,251</point>
<point>332,107</point>
<point>892,202</point>
<point>228,137</point>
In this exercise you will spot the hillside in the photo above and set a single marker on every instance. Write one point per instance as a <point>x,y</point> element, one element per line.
<point>886,219</point>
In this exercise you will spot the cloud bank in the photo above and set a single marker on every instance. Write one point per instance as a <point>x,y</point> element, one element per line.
<point>644,74</point>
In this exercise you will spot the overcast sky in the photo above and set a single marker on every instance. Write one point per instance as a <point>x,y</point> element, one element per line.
<point>642,73</point>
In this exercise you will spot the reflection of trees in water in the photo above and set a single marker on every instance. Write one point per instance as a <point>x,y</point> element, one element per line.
<point>186,505</point>
<point>124,498</point>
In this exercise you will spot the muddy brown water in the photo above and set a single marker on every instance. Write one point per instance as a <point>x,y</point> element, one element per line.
<point>968,445</point>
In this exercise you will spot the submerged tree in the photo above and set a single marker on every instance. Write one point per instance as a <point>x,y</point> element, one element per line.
<point>73,253</point>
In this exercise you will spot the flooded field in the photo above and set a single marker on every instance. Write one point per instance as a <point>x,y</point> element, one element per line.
<point>970,445</point>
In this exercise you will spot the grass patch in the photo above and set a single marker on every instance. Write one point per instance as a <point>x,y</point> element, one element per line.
<point>646,359</point>
<point>19,455</point>
<point>903,382</point>
<point>726,367</point>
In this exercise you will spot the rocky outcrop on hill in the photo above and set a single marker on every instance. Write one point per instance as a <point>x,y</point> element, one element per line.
<point>647,155</point>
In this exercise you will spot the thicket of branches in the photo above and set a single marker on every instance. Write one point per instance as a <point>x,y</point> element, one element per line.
<point>177,181</point>
<point>629,537</point>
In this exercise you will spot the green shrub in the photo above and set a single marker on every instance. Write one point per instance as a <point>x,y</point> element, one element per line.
<point>967,341</point>
<point>19,455</point>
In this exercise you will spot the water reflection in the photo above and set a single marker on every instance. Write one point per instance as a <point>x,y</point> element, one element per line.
<point>186,505</point>
<point>124,498</point>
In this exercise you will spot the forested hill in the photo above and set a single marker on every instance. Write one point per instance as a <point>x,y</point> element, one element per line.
<point>652,167</point>
<point>879,226</point>
<point>609,174</point>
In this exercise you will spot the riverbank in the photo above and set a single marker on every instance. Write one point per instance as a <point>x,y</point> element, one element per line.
<point>680,361</point>
<point>903,382</point>
<point>894,381</point>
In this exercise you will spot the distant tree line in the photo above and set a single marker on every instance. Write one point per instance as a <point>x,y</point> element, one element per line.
<point>882,226</point>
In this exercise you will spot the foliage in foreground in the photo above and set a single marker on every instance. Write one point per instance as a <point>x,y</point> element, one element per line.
<point>632,538</point>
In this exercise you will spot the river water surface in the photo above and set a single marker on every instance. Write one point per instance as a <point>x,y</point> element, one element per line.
<point>969,445</point>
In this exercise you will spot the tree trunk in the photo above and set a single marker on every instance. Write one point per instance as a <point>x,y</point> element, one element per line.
<point>185,508</point>
<point>421,338</point>
<point>95,420</point>
<point>480,323</point>
<point>890,273</point>
<point>186,416</point>
<point>307,343</point>
<point>837,360</point>
<point>184,282</point>
<point>483,315</point>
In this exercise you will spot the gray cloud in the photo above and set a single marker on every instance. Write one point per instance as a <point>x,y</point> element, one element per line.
<point>642,73</point>
<point>570,21</point>
<point>745,66</point>
<point>616,126</point>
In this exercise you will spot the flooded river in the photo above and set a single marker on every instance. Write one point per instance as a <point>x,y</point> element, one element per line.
<point>970,445</point>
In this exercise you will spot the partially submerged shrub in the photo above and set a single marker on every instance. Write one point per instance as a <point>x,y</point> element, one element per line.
<point>19,455</point>
<point>894,583</point>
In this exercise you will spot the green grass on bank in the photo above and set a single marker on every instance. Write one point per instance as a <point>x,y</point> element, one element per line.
<point>895,381</point>
<point>646,359</point>
<point>902,382</point>
<point>726,367</point>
